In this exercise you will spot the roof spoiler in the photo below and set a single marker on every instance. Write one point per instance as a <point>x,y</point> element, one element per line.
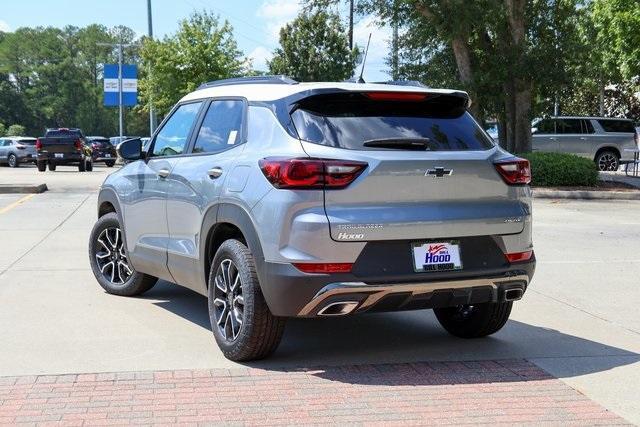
<point>277,80</point>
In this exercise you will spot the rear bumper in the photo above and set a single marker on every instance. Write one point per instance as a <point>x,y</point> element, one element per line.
<point>67,159</point>
<point>291,293</point>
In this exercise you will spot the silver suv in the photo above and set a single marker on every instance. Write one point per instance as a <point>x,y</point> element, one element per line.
<point>279,199</point>
<point>604,140</point>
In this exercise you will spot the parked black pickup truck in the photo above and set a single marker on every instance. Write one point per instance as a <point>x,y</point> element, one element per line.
<point>63,147</point>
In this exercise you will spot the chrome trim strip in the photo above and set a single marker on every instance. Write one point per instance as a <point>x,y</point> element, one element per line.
<point>377,292</point>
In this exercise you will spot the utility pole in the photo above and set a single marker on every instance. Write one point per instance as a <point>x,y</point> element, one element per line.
<point>350,24</point>
<point>394,43</point>
<point>152,115</point>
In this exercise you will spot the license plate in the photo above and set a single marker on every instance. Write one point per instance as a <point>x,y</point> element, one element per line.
<point>58,155</point>
<point>107,155</point>
<point>436,256</point>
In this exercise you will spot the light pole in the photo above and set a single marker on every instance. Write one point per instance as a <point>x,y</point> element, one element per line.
<point>152,116</point>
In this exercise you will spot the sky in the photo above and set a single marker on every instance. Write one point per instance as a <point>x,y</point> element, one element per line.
<point>256,23</point>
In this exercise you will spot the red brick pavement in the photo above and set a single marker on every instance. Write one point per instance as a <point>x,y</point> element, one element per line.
<point>484,392</point>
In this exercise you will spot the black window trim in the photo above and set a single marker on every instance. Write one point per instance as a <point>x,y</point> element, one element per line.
<point>152,144</point>
<point>243,127</point>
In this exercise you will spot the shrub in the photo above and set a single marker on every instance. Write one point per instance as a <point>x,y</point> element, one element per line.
<point>559,169</point>
<point>15,130</point>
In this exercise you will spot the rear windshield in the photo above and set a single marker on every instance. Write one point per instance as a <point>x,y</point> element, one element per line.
<point>617,126</point>
<point>64,133</point>
<point>27,141</point>
<point>350,120</point>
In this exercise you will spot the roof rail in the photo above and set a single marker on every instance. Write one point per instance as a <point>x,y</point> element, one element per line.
<point>404,83</point>
<point>274,80</point>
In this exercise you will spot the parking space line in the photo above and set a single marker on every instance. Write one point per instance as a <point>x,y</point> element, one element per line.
<point>16,203</point>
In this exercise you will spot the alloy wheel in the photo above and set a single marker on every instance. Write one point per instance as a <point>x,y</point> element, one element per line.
<point>12,161</point>
<point>111,257</point>
<point>608,162</point>
<point>228,300</point>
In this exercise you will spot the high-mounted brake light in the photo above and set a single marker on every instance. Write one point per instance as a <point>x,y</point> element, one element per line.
<point>396,96</point>
<point>519,256</point>
<point>334,267</point>
<point>514,172</point>
<point>308,173</point>
<point>38,144</point>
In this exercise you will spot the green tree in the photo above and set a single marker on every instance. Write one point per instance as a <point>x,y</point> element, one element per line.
<point>314,47</point>
<point>202,50</point>
<point>2,129</point>
<point>15,130</point>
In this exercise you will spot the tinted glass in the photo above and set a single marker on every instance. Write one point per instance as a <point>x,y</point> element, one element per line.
<point>617,126</point>
<point>348,121</point>
<point>64,133</point>
<point>545,127</point>
<point>587,127</point>
<point>172,138</point>
<point>221,127</point>
<point>568,126</point>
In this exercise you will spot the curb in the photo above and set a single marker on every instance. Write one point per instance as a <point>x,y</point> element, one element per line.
<point>22,188</point>
<point>585,194</point>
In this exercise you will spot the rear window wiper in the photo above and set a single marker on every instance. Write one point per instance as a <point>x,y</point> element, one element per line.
<point>399,143</point>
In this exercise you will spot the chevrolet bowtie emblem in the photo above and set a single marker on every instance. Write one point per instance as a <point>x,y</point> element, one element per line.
<point>438,172</point>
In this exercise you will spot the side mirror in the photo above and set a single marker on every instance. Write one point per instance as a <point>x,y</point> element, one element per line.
<point>130,149</point>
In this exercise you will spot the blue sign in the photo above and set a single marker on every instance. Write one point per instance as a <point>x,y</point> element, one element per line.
<point>129,85</point>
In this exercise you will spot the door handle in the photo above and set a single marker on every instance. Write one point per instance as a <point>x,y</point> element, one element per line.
<point>553,138</point>
<point>583,138</point>
<point>163,173</point>
<point>215,172</point>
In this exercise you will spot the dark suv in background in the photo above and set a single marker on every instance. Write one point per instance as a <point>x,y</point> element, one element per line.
<point>102,150</point>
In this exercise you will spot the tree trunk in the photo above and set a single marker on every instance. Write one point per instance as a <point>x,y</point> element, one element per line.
<point>521,83</point>
<point>509,110</point>
<point>462,55</point>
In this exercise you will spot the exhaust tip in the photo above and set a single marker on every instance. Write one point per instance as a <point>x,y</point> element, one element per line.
<point>513,294</point>
<point>338,308</point>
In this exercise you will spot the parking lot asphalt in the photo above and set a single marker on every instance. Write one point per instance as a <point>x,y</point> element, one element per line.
<point>578,321</point>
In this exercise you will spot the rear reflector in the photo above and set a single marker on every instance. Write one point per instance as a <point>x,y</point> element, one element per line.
<point>310,173</point>
<point>396,96</point>
<point>519,256</point>
<point>514,171</point>
<point>336,267</point>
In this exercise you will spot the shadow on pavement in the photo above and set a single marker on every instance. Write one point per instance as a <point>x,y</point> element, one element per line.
<point>415,336</point>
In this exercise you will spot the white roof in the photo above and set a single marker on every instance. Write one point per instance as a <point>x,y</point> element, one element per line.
<point>20,137</point>
<point>270,92</point>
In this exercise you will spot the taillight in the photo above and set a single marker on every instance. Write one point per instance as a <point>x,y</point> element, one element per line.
<point>519,256</point>
<point>514,172</point>
<point>78,144</point>
<point>38,144</point>
<point>326,268</point>
<point>309,173</point>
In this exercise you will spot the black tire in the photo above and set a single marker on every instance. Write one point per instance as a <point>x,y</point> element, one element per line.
<point>13,161</point>
<point>89,166</point>
<point>607,160</point>
<point>260,332</point>
<point>134,284</point>
<point>52,166</point>
<point>474,321</point>
<point>110,163</point>
<point>42,166</point>
<point>81,166</point>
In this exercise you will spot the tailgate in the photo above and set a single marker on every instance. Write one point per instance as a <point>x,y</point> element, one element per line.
<point>59,145</point>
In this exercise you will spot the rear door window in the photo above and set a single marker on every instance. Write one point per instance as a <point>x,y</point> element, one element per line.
<point>357,121</point>
<point>587,127</point>
<point>570,126</point>
<point>221,127</point>
<point>610,125</point>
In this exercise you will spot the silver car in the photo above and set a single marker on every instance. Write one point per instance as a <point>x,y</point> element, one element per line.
<point>604,140</point>
<point>15,150</point>
<point>279,199</point>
